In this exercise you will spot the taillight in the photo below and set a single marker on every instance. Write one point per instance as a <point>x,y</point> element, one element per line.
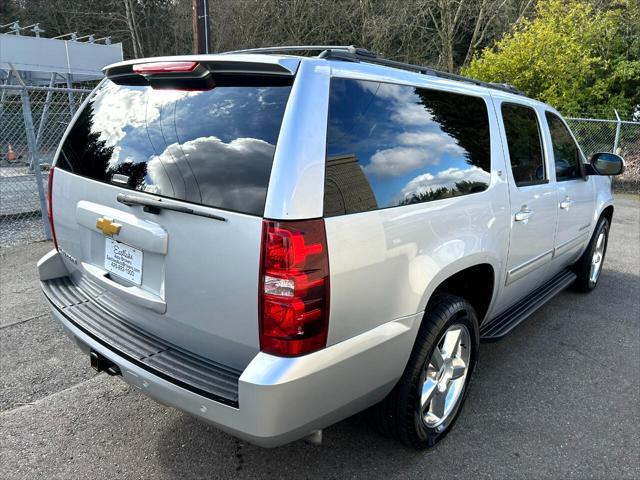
<point>50,207</point>
<point>294,287</point>
<point>184,76</point>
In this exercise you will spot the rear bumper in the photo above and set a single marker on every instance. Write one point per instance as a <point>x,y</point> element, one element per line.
<point>278,399</point>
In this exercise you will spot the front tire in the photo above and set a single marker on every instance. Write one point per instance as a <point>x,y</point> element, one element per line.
<point>425,403</point>
<point>589,267</point>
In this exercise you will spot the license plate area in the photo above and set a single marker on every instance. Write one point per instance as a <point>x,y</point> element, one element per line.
<point>123,260</point>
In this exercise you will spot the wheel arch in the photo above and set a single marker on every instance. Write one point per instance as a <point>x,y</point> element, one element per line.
<point>473,279</point>
<point>455,280</point>
<point>607,212</point>
<point>475,284</point>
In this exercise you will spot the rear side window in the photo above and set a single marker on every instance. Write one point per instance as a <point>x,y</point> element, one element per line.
<point>211,147</point>
<point>566,154</point>
<point>390,145</point>
<point>525,145</point>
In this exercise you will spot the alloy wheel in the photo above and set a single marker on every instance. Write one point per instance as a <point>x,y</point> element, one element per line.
<point>597,258</point>
<point>444,376</point>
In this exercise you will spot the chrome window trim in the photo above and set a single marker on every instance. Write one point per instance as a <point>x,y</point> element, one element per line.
<point>525,268</point>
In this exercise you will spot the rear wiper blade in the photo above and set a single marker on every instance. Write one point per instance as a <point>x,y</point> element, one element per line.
<point>152,204</point>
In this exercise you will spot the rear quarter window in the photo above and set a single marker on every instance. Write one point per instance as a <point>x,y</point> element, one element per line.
<point>211,147</point>
<point>391,145</point>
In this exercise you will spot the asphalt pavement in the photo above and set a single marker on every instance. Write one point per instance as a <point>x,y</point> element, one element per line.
<point>557,398</point>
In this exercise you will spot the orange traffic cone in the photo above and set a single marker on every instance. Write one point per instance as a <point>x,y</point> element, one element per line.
<point>11,155</point>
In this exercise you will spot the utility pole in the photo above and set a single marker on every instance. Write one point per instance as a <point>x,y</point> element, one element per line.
<point>200,10</point>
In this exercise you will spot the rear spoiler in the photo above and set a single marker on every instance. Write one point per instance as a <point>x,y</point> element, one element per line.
<point>198,71</point>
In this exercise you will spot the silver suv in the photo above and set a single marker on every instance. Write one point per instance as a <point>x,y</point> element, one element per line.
<point>273,242</point>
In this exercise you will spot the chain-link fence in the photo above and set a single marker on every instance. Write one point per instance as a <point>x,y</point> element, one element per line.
<point>617,136</point>
<point>32,122</point>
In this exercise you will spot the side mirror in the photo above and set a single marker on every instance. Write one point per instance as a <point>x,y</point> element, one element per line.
<point>606,164</point>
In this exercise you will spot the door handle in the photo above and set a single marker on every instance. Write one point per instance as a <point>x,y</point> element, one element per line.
<point>524,215</point>
<point>566,203</point>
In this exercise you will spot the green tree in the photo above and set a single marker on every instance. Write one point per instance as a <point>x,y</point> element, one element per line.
<point>571,55</point>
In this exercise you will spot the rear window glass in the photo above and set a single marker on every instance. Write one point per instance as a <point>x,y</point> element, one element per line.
<point>391,145</point>
<point>211,147</point>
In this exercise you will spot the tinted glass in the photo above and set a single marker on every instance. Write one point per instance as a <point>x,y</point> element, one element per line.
<point>210,147</point>
<point>525,146</point>
<point>391,145</point>
<point>565,151</point>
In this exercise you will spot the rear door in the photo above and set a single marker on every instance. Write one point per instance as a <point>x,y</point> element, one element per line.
<point>576,199</point>
<point>533,202</point>
<point>158,196</point>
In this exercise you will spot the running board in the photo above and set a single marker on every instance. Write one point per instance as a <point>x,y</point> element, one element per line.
<point>507,321</point>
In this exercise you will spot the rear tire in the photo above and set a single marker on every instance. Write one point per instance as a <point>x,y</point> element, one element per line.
<point>589,267</point>
<point>425,403</point>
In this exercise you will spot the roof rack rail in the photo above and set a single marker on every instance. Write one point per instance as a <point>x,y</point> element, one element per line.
<point>352,53</point>
<point>299,48</point>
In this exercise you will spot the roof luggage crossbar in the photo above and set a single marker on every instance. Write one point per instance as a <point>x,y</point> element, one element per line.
<point>352,53</point>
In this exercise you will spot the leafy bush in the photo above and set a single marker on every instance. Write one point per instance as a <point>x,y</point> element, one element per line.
<point>570,55</point>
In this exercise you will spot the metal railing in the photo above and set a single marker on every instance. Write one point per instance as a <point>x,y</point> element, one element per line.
<point>32,122</point>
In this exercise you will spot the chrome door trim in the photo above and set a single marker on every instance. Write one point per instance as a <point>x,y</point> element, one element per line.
<point>567,245</point>
<point>525,268</point>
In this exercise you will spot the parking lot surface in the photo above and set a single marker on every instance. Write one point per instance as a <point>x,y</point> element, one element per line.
<point>557,398</point>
